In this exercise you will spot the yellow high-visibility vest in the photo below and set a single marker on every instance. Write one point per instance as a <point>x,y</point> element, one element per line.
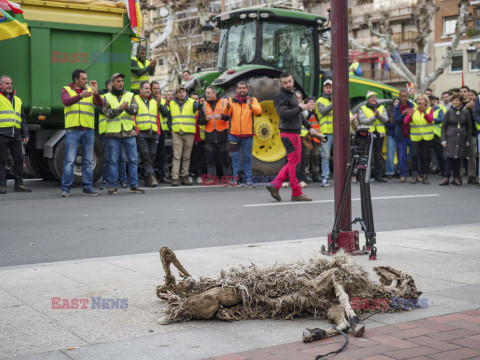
<point>163,120</point>
<point>146,119</point>
<point>476,124</point>
<point>437,128</point>
<point>377,124</point>
<point>82,113</point>
<point>9,116</point>
<point>420,129</point>
<point>352,68</point>
<point>124,120</point>
<point>326,122</point>
<point>183,120</point>
<point>102,120</point>
<point>137,80</point>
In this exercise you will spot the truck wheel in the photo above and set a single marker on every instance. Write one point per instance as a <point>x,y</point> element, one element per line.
<point>269,154</point>
<point>39,165</point>
<point>57,162</point>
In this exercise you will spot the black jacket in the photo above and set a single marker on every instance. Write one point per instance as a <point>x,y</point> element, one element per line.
<point>13,132</point>
<point>456,131</point>
<point>214,136</point>
<point>290,113</point>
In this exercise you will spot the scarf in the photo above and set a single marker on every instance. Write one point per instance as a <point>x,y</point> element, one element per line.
<point>116,92</point>
<point>373,107</point>
<point>240,100</point>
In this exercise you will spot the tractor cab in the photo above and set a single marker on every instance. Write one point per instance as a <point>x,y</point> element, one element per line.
<point>273,38</point>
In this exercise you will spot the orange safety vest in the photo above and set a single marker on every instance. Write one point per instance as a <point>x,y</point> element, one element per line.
<point>242,117</point>
<point>219,125</point>
<point>315,125</point>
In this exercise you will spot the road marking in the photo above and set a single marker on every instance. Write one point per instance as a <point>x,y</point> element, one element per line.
<point>25,180</point>
<point>189,187</point>
<point>331,201</point>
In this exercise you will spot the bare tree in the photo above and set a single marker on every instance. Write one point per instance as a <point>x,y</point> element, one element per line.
<point>424,12</point>
<point>177,41</point>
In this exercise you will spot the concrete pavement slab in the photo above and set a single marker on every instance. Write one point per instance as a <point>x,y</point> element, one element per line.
<point>442,261</point>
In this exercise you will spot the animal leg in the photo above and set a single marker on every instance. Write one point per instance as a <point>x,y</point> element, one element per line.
<point>337,315</point>
<point>358,329</point>
<point>167,256</point>
<point>387,274</point>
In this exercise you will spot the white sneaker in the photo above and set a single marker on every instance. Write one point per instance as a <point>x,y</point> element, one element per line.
<point>285,185</point>
<point>199,180</point>
<point>303,184</point>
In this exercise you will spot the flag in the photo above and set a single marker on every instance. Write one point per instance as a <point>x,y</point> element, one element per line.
<point>463,80</point>
<point>12,23</point>
<point>135,15</point>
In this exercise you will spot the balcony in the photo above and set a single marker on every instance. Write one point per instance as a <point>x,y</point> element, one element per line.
<point>406,36</point>
<point>405,11</point>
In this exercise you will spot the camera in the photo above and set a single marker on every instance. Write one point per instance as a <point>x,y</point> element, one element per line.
<point>362,139</point>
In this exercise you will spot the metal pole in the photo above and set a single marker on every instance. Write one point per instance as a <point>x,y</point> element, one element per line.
<point>341,105</point>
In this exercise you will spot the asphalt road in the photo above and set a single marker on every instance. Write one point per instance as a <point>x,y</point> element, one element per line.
<point>42,227</point>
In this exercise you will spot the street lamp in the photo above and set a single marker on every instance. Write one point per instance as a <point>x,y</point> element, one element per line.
<point>472,54</point>
<point>207,33</point>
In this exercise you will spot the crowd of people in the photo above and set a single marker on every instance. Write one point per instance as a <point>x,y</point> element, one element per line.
<point>212,136</point>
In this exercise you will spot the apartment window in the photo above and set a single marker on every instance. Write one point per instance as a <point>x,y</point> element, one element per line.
<point>457,62</point>
<point>475,65</point>
<point>476,17</point>
<point>449,25</point>
<point>215,8</point>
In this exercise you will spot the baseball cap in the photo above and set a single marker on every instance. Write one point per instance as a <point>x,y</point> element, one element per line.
<point>116,75</point>
<point>328,81</point>
<point>180,87</point>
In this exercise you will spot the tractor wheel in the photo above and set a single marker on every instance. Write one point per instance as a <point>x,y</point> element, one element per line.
<point>57,162</point>
<point>269,154</point>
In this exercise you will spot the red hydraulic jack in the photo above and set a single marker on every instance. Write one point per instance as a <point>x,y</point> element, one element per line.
<point>361,151</point>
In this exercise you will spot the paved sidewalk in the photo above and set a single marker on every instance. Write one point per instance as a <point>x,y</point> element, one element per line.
<point>448,337</point>
<point>443,261</point>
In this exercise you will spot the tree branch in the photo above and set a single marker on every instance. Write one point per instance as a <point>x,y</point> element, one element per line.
<point>464,18</point>
<point>388,46</point>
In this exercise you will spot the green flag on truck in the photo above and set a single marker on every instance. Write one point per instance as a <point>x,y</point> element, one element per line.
<point>12,23</point>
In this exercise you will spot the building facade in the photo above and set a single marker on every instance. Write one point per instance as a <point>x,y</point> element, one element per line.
<point>445,22</point>
<point>401,17</point>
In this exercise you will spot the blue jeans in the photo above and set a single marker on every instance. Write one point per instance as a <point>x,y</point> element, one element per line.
<point>402,155</point>
<point>244,145</point>
<point>122,164</point>
<point>325,152</point>
<point>115,146</point>
<point>73,138</point>
<point>390,164</point>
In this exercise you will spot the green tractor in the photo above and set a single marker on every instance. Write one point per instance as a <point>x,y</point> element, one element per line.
<point>256,45</point>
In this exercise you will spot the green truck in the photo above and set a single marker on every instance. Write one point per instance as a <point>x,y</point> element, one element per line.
<point>64,36</point>
<point>256,45</point>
